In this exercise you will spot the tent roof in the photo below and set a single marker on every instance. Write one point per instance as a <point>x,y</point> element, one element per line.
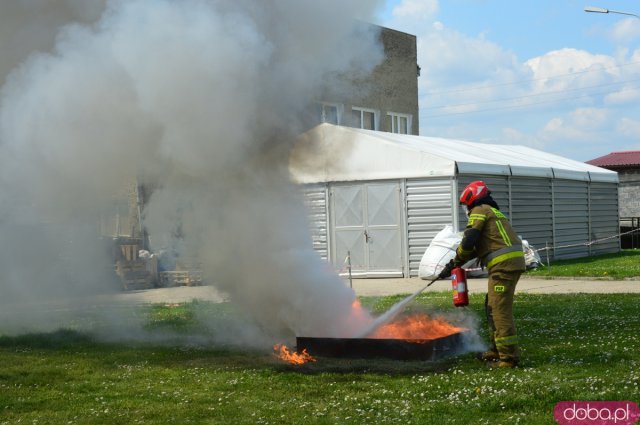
<point>335,153</point>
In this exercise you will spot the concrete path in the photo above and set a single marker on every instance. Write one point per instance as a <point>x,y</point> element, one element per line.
<point>382,287</point>
<point>377,287</point>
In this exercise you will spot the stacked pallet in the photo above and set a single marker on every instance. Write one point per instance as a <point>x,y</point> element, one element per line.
<point>188,272</point>
<point>180,278</point>
<point>134,274</point>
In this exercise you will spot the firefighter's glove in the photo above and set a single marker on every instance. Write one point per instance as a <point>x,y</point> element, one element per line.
<point>446,272</point>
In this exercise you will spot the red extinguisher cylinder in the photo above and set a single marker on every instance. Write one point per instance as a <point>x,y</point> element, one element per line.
<point>459,284</point>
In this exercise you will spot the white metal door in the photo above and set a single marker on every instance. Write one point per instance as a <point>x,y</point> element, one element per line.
<point>366,224</point>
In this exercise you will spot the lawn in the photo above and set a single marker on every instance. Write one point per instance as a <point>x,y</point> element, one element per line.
<point>575,347</point>
<point>623,265</point>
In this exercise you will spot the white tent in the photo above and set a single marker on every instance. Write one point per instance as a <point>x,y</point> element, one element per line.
<point>381,197</point>
<point>333,153</point>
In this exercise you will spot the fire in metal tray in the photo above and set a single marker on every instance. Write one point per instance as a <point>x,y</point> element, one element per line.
<point>416,337</point>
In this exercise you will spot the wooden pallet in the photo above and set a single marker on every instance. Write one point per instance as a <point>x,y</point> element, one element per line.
<point>134,275</point>
<point>180,278</point>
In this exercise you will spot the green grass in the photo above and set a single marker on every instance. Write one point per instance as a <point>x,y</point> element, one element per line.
<point>575,347</point>
<point>625,264</point>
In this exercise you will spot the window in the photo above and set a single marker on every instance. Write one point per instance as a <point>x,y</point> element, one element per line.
<point>400,123</point>
<point>365,118</point>
<point>331,113</point>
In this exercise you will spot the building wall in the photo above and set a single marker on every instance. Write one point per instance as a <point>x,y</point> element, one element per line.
<point>628,192</point>
<point>395,81</point>
<point>391,88</point>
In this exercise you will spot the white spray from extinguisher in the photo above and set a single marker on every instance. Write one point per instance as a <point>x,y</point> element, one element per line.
<point>397,308</point>
<point>392,312</point>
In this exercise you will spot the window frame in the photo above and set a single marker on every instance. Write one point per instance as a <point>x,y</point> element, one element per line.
<point>339,111</point>
<point>395,116</point>
<point>362,110</point>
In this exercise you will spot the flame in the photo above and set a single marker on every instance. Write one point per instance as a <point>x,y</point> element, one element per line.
<point>358,313</point>
<point>283,353</point>
<point>416,328</point>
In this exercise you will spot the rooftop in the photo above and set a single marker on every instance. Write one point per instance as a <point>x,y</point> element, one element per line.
<point>335,153</point>
<point>617,160</point>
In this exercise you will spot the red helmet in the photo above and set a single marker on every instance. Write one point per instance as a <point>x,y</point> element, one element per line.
<point>474,191</point>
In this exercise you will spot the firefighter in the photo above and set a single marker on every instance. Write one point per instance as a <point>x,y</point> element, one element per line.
<point>490,237</point>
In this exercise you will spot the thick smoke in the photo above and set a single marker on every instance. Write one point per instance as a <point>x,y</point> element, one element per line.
<point>200,100</point>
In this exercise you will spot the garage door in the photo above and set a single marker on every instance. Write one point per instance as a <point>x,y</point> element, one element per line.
<point>366,225</point>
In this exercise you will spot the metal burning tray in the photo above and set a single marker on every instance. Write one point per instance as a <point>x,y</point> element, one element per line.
<point>368,348</point>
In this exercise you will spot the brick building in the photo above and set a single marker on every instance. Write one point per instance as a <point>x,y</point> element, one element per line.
<point>387,100</point>
<point>627,165</point>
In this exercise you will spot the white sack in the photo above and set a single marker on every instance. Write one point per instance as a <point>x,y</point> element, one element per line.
<point>441,250</point>
<point>531,257</point>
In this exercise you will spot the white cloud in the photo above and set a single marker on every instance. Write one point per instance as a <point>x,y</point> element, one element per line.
<point>590,118</point>
<point>416,9</point>
<point>629,127</point>
<point>449,57</point>
<point>584,133</point>
<point>565,100</point>
<point>625,95</point>
<point>626,31</point>
<point>579,124</point>
<point>512,136</point>
<point>566,68</point>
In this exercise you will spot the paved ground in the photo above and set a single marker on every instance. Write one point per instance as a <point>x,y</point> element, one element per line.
<point>380,287</point>
<point>479,285</point>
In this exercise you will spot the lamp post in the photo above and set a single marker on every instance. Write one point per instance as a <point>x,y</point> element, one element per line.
<point>593,9</point>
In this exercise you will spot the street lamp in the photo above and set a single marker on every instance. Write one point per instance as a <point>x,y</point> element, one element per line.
<point>593,9</point>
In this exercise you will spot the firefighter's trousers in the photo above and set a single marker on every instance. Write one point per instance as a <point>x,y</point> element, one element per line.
<point>499,309</point>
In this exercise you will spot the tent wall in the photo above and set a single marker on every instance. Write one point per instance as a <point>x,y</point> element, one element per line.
<point>604,217</point>
<point>315,199</point>
<point>544,211</point>
<point>571,218</point>
<point>499,191</point>
<point>429,206</point>
<point>532,210</point>
<point>556,212</point>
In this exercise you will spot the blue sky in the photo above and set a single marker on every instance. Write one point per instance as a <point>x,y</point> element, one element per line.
<point>540,73</point>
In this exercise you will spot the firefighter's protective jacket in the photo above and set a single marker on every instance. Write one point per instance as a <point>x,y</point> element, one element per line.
<point>490,237</point>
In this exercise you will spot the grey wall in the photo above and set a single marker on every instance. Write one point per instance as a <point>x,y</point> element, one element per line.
<point>629,192</point>
<point>392,87</point>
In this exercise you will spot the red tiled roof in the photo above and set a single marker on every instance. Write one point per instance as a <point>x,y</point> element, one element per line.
<point>617,160</point>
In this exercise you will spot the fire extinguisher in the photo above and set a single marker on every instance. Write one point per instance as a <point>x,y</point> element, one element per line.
<point>459,284</point>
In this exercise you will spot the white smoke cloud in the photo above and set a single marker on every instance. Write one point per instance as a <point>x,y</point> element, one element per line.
<point>201,98</point>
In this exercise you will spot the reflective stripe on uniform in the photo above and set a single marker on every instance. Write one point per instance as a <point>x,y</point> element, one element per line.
<point>503,233</point>
<point>498,213</point>
<point>476,217</point>
<point>500,253</point>
<point>507,340</point>
<point>463,252</point>
<point>503,257</point>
